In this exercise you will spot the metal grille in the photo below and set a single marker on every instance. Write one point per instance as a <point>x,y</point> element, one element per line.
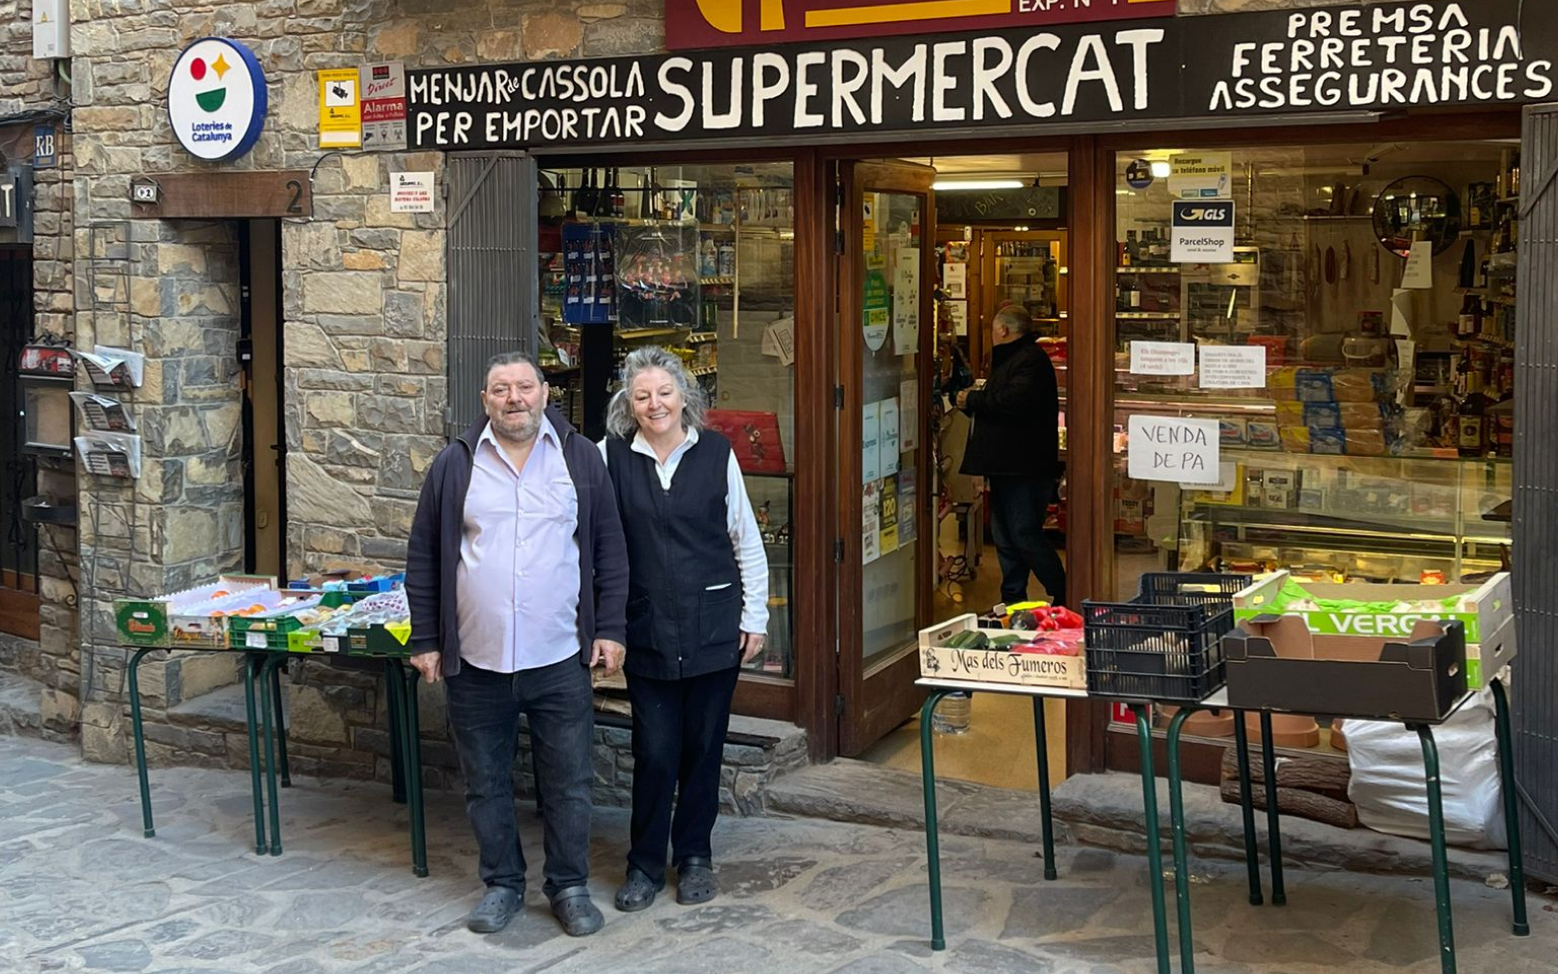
<point>493,277</point>
<point>1535,683</point>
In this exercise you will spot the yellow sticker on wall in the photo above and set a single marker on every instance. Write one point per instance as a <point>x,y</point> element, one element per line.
<point>340,109</point>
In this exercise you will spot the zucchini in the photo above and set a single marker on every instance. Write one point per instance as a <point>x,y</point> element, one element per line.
<point>1005,640</point>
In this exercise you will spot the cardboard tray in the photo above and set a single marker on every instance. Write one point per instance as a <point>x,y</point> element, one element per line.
<point>1483,608</point>
<point>1276,663</point>
<point>147,622</point>
<point>995,665</point>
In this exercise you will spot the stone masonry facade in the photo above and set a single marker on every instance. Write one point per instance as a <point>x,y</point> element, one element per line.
<point>365,296</point>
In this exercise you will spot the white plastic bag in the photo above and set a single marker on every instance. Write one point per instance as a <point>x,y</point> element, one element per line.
<point>1391,792</point>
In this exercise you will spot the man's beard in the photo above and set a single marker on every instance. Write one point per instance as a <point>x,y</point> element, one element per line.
<point>520,427</point>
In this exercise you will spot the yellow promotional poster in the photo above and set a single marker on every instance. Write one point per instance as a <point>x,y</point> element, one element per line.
<point>340,109</point>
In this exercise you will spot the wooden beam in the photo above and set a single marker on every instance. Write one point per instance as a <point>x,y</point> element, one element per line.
<point>228,194</point>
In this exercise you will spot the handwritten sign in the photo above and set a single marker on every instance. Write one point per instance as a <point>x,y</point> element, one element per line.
<point>1174,449</point>
<point>1163,358</point>
<point>1419,273</point>
<point>1233,366</point>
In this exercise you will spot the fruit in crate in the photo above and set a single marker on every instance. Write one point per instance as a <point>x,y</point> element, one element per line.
<point>1059,642</point>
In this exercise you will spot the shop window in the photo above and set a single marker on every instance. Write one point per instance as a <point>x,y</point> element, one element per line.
<point>1342,319</point>
<point>699,260</point>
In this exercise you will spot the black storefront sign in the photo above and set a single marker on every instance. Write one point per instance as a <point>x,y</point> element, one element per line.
<point>1387,56</point>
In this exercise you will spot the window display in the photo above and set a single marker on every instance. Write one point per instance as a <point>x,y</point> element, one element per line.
<point>700,260</point>
<point>1356,353</point>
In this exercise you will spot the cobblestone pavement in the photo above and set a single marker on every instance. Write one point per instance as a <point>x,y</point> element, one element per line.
<point>80,889</point>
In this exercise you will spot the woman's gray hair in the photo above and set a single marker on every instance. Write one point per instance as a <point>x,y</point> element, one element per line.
<point>619,412</point>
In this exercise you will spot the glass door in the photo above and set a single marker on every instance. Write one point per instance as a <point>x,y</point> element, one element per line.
<point>886,330</point>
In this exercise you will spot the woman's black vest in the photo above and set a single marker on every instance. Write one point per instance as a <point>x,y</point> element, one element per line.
<point>684,587</point>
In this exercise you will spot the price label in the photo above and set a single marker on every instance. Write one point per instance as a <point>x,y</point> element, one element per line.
<point>331,644</point>
<point>254,640</point>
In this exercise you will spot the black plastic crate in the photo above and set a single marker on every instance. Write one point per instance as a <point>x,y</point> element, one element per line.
<point>1165,644</point>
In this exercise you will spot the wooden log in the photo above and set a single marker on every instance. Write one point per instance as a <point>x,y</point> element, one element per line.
<point>1326,776</point>
<point>1304,804</point>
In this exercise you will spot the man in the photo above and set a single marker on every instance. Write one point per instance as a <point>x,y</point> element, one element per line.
<point>517,577</point>
<point>1015,446</point>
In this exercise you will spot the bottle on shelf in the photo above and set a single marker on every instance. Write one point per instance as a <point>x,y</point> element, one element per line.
<point>618,198</point>
<point>1471,416</point>
<point>1469,322</point>
<point>1132,250</point>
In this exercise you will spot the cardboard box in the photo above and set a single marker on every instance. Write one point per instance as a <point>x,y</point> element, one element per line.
<point>994,665</point>
<point>150,622</point>
<point>1276,663</point>
<point>1481,608</point>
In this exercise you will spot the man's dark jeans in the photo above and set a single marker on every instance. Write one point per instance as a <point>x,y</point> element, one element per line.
<point>1017,511</point>
<point>484,711</point>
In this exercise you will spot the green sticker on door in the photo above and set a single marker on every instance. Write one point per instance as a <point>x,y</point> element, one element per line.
<point>876,316</point>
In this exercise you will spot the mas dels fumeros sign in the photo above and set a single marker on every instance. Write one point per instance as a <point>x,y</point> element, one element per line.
<point>1362,56</point>
<point>217,99</point>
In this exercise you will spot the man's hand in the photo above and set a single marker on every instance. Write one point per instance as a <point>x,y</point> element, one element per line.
<point>430,665</point>
<point>609,654</point>
<point>751,645</point>
<point>962,400</point>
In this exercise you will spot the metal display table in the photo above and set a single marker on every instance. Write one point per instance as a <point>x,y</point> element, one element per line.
<point>1425,733</point>
<point>1141,709</point>
<point>262,679</point>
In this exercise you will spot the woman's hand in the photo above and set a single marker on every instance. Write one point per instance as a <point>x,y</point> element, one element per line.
<point>751,645</point>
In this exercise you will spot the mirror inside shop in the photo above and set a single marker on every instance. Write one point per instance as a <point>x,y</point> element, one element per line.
<point>1366,427</point>
<point>699,260</point>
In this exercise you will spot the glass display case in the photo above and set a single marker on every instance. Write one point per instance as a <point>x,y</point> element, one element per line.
<point>699,260</point>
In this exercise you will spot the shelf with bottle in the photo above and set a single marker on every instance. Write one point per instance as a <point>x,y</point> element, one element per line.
<point>1146,269</point>
<point>1147,315</point>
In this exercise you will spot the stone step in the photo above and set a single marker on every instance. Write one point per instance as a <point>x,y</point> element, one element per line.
<point>1100,810</point>
<point>21,706</point>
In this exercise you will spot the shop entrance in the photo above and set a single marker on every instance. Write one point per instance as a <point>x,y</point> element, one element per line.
<point>931,249</point>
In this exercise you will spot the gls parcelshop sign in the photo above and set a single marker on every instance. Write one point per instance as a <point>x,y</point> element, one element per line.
<point>217,99</point>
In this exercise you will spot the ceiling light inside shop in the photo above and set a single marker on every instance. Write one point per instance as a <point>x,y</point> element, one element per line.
<point>941,185</point>
<point>1161,169</point>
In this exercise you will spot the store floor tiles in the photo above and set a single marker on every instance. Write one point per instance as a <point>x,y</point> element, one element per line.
<point>81,890</point>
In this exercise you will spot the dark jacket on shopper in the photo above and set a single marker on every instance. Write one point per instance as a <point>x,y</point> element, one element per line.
<point>684,590</point>
<point>1016,415</point>
<point>433,554</point>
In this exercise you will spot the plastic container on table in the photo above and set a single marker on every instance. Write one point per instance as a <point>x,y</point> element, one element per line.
<point>1166,643</point>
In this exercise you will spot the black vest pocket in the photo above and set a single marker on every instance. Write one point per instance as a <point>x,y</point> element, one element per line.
<point>719,616</point>
<point>641,623</point>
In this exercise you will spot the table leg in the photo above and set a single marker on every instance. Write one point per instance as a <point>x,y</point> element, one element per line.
<point>1187,943</point>
<point>270,756</point>
<point>1046,819</point>
<point>938,939</point>
<point>1241,739</point>
<point>281,726</point>
<point>413,751</point>
<point>1149,802</point>
<point>1425,736</point>
<point>1279,896</point>
<point>138,732</point>
<point>392,690</point>
<point>1506,763</point>
<point>251,665</point>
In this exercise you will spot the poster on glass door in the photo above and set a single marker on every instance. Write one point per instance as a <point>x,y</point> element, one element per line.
<point>906,301</point>
<point>870,523</point>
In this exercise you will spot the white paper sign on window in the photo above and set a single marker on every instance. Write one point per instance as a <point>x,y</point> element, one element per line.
<point>1163,358</point>
<point>889,428</point>
<point>1233,366</point>
<point>906,302</point>
<point>1185,451</point>
<point>909,415</point>
<point>871,442</point>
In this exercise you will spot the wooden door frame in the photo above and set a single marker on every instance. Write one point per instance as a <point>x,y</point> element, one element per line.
<point>859,727</point>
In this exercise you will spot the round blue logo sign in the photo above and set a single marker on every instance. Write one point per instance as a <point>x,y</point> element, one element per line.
<point>217,99</point>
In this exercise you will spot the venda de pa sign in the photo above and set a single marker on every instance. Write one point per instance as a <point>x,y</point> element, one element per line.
<point>217,99</point>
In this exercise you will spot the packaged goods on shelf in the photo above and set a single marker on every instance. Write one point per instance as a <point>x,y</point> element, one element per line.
<point>1361,442</point>
<point>1296,384</point>
<point>283,613</point>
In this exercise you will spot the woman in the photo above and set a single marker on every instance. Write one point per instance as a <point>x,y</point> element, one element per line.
<point>697,610</point>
